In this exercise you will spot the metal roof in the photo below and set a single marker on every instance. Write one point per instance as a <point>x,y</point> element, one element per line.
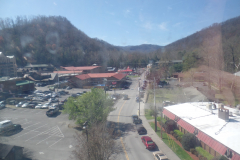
<point>186,126</point>
<point>80,68</point>
<point>118,76</point>
<point>168,114</point>
<point>207,122</point>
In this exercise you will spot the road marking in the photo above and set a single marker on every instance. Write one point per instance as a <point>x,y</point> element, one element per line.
<point>121,137</point>
<point>30,131</point>
<point>38,112</point>
<point>32,125</point>
<point>43,140</point>
<point>25,123</point>
<point>55,142</point>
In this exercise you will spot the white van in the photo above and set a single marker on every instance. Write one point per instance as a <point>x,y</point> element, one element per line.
<point>4,124</point>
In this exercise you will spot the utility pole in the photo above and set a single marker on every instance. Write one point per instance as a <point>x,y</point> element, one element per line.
<point>161,120</point>
<point>155,107</point>
<point>139,97</point>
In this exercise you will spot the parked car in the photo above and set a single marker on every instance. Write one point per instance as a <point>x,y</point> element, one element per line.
<point>52,100</point>
<point>148,142</point>
<point>159,155</point>
<point>29,105</point>
<point>68,88</point>
<point>12,102</point>
<point>65,100</point>
<point>8,128</point>
<point>52,111</point>
<point>2,106</point>
<point>136,119</point>
<point>46,105</point>
<point>141,129</point>
<point>21,103</point>
<point>3,102</point>
<point>39,106</point>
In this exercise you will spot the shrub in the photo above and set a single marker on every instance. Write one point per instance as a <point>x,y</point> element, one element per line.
<point>204,153</point>
<point>220,158</point>
<point>179,133</point>
<point>192,150</point>
<point>171,132</point>
<point>188,141</point>
<point>170,126</point>
<point>179,139</point>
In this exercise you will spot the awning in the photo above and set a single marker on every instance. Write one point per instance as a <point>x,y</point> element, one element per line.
<point>186,126</point>
<point>220,148</point>
<point>236,157</point>
<point>168,114</point>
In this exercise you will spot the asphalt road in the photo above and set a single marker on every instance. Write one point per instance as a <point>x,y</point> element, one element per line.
<point>130,140</point>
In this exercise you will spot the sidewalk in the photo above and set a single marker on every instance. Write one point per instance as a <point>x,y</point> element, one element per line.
<point>161,145</point>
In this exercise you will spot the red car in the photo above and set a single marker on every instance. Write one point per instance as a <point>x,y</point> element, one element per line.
<point>148,142</point>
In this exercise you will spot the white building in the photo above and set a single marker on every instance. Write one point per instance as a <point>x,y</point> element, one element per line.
<point>217,129</point>
<point>8,66</point>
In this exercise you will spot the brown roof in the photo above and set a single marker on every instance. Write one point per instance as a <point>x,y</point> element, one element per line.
<point>80,68</point>
<point>118,76</point>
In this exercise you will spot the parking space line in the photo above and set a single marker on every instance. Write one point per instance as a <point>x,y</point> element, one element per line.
<point>26,123</point>
<point>32,111</point>
<point>60,131</point>
<point>51,130</point>
<point>43,140</point>
<point>55,143</point>
<point>32,125</point>
<point>31,131</point>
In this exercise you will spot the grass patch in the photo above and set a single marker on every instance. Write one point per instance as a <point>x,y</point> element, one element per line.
<point>204,153</point>
<point>148,114</point>
<point>179,151</point>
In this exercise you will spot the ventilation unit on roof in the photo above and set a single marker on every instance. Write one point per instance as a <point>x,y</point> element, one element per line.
<point>209,106</point>
<point>220,105</point>
<point>223,114</point>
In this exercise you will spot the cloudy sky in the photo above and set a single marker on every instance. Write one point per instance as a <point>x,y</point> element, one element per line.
<point>130,22</point>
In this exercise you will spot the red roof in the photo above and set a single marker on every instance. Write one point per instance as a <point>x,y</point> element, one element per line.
<point>168,114</point>
<point>83,76</point>
<point>80,68</point>
<point>186,126</point>
<point>236,157</point>
<point>220,148</point>
<point>66,72</point>
<point>118,76</point>
<point>126,70</point>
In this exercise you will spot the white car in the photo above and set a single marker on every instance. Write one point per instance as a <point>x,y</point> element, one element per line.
<point>159,155</point>
<point>21,103</point>
<point>25,105</point>
<point>39,106</point>
<point>46,105</point>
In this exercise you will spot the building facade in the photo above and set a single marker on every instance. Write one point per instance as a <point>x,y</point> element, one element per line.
<point>8,66</point>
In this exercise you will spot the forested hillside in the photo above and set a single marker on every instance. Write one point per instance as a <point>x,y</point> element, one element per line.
<point>216,46</point>
<point>55,40</point>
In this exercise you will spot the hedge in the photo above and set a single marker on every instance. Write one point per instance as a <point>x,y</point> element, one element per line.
<point>204,153</point>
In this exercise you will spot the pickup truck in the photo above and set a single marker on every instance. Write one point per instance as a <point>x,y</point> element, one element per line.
<point>136,119</point>
<point>52,111</point>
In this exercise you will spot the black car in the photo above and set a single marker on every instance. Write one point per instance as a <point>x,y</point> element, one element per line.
<point>136,119</point>
<point>141,129</point>
<point>10,130</point>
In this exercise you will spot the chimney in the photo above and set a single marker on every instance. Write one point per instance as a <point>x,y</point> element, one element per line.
<point>223,114</point>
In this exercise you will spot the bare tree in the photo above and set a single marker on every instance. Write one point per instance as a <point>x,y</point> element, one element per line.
<point>97,144</point>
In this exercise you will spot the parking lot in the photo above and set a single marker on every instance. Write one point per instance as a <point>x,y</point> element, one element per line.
<point>42,137</point>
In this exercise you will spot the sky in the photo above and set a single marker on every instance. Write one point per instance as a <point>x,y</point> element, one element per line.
<point>130,22</point>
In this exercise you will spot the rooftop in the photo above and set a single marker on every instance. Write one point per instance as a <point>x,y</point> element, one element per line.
<point>19,83</point>
<point>80,68</point>
<point>102,75</point>
<point>208,122</point>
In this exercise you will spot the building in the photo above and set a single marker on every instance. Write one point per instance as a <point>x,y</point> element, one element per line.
<point>10,152</point>
<point>98,79</point>
<point>217,129</point>
<point>16,85</point>
<point>83,69</point>
<point>8,66</point>
<point>40,67</point>
<point>127,71</point>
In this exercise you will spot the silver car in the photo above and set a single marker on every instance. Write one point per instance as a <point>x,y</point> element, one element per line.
<point>21,103</point>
